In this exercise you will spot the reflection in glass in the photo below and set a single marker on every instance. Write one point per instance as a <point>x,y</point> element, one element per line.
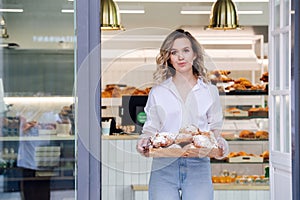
<point>277,14</point>
<point>287,124</point>
<point>277,62</point>
<point>286,70</point>
<point>277,133</point>
<point>286,12</point>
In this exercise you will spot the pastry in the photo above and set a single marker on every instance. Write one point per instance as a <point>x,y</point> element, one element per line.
<point>265,155</point>
<point>193,130</point>
<point>216,76</point>
<point>129,90</point>
<point>265,77</point>
<point>258,112</point>
<point>262,135</point>
<point>162,139</point>
<point>184,138</point>
<point>206,140</point>
<point>242,153</point>
<point>246,134</point>
<point>202,141</point>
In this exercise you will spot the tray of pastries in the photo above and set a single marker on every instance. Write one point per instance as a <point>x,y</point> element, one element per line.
<point>240,157</point>
<point>243,86</point>
<point>254,135</point>
<point>189,142</point>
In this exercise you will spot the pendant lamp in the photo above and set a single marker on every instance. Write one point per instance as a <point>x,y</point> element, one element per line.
<point>223,16</point>
<point>110,16</point>
<point>3,29</point>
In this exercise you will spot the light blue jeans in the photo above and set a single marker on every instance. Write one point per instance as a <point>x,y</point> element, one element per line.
<point>180,178</point>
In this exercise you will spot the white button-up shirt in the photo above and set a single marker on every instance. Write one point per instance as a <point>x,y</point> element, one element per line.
<point>167,112</point>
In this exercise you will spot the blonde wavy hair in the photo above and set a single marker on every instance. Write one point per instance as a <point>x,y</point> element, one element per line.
<point>165,69</point>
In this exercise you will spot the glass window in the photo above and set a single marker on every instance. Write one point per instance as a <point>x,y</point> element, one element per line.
<point>37,131</point>
<point>277,123</point>
<point>286,52</point>
<point>277,62</point>
<point>286,12</point>
<point>277,14</point>
<point>287,124</point>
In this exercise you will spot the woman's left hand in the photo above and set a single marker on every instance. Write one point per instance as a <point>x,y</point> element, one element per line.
<point>223,148</point>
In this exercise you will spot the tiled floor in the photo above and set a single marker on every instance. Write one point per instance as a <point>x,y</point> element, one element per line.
<point>55,195</point>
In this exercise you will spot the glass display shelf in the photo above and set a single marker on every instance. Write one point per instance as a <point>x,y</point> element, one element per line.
<point>36,138</point>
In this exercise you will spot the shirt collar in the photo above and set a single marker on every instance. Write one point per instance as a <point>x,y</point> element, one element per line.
<point>168,83</point>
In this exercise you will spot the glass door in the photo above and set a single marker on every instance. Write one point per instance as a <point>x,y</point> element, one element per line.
<point>37,104</point>
<point>280,99</point>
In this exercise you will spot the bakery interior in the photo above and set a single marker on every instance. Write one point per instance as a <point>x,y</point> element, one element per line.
<point>238,65</point>
<point>44,88</point>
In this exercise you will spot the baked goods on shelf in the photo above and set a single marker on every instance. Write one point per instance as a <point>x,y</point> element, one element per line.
<point>265,77</point>
<point>262,134</point>
<point>242,156</point>
<point>233,111</point>
<point>217,76</point>
<point>116,91</point>
<point>265,154</point>
<point>258,112</point>
<point>247,134</point>
<point>111,91</point>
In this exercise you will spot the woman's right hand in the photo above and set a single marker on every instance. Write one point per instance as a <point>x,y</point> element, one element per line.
<point>143,146</point>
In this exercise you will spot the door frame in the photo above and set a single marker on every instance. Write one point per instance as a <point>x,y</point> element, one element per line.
<point>87,93</point>
<point>295,104</point>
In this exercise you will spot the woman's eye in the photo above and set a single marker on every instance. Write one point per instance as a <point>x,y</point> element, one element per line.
<point>173,52</point>
<point>186,50</point>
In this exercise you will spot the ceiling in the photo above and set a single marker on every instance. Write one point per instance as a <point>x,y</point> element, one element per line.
<point>43,18</point>
<point>167,14</point>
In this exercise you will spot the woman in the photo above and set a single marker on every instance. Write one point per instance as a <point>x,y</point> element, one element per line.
<point>183,97</point>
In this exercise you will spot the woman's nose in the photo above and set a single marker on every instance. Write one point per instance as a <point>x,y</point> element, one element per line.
<point>180,56</point>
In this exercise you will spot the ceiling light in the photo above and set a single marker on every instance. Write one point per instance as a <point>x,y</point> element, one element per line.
<point>13,10</point>
<point>250,12</point>
<point>132,11</point>
<point>195,12</point>
<point>206,12</point>
<point>110,16</point>
<point>67,10</point>
<point>223,16</point>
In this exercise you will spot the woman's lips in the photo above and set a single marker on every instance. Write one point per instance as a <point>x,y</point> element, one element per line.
<point>182,64</point>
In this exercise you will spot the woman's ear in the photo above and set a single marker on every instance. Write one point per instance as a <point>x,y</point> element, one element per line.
<point>195,56</point>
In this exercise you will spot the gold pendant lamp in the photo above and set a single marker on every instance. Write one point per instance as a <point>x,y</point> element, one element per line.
<point>110,16</point>
<point>223,16</point>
